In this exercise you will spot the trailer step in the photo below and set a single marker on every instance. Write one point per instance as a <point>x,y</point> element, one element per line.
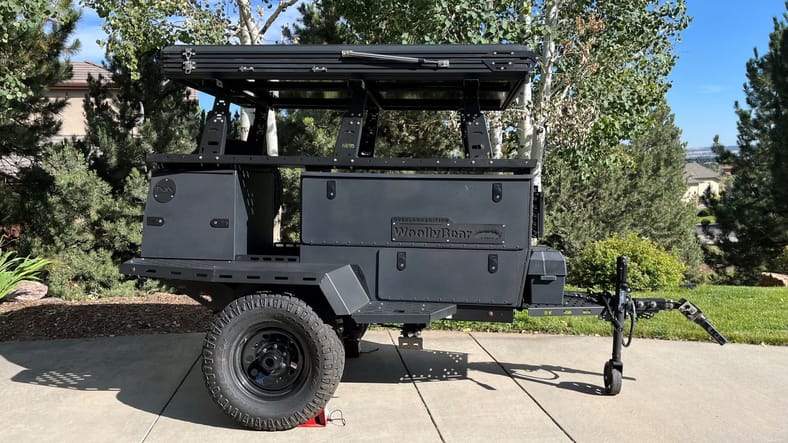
<point>402,312</point>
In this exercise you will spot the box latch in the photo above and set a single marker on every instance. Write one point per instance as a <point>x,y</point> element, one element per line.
<point>400,261</point>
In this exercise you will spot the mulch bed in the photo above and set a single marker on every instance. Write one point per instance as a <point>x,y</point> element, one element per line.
<point>52,318</point>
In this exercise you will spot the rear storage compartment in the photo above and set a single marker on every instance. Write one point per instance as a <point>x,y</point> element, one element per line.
<point>544,283</point>
<point>209,215</point>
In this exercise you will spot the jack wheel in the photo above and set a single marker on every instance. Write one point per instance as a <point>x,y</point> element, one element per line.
<point>612,379</point>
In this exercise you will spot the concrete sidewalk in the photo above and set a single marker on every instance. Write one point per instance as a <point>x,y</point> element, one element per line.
<point>469,387</point>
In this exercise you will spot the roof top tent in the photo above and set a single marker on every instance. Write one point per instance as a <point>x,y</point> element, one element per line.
<point>362,81</point>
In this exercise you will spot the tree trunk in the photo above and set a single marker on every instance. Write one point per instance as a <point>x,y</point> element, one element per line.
<point>496,133</point>
<point>533,128</point>
<point>249,34</point>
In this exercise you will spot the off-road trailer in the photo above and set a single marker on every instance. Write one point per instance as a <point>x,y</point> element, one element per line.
<point>383,240</point>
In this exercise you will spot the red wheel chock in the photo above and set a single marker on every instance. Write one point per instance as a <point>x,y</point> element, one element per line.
<point>318,421</point>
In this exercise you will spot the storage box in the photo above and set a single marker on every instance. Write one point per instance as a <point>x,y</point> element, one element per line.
<point>546,277</point>
<point>211,215</point>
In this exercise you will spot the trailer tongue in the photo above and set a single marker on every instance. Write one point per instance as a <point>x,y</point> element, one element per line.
<point>616,307</point>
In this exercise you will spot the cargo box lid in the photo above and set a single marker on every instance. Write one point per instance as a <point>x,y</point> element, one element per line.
<point>546,261</point>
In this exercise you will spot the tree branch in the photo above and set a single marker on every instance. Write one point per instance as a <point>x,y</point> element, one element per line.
<point>280,8</point>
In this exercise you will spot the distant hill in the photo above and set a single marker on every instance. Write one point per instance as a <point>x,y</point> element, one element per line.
<point>702,153</point>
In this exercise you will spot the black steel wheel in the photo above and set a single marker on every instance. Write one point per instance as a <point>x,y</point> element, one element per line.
<point>612,379</point>
<point>270,362</point>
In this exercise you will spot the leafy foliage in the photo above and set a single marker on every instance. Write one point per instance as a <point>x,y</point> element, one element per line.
<point>603,65</point>
<point>83,203</point>
<point>75,219</point>
<point>128,119</point>
<point>138,27</point>
<point>780,263</point>
<point>135,28</point>
<point>650,266</point>
<point>33,38</point>
<point>755,208</point>
<point>642,197</point>
<point>14,270</point>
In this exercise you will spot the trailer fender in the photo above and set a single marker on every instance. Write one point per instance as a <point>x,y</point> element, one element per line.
<point>344,290</point>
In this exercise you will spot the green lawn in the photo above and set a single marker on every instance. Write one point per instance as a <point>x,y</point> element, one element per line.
<point>743,315</point>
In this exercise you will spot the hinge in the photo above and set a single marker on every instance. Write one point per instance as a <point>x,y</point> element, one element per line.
<point>188,65</point>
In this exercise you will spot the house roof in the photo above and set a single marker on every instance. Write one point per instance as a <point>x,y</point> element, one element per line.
<point>697,172</point>
<point>80,71</point>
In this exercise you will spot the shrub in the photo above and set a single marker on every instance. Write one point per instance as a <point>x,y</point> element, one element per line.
<point>81,224</point>
<point>781,262</point>
<point>14,270</point>
<point>650,266</point>
<point>86,274</point>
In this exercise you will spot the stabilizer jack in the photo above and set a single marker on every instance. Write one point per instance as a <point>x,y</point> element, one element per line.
<point>619,305</point>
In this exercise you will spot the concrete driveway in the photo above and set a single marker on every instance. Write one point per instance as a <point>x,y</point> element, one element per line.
<point>466,388</point>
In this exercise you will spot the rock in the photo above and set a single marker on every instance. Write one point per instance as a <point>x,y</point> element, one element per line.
<point>773,279</point>
<point>28,291</point>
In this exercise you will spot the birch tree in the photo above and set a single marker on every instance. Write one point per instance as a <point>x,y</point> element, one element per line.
<point>602,65</point>
<point>135,27</point>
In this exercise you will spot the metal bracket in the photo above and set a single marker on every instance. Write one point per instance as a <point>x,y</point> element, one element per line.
<point>695,315</point>
<point>214,135</point>
<point>369,133</point>
<point>414,343</point>
<point>475,137</point>
<point>350,131</point>
<point>410,337</point>
<point>537,224</point>
<point>256,137</point>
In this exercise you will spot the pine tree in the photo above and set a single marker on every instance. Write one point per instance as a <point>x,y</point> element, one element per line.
<point>643,197</point>
<point>33,40</point>
<point>753,213</point>
<point>84,200</point>
<point>654,188</point>
<point>128,119</point>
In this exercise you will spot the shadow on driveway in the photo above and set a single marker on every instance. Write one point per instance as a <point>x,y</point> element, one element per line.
<point>147,371</point>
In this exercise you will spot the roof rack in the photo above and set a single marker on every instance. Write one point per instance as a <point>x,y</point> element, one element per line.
<point>317,76</point>
<point>361,80</point>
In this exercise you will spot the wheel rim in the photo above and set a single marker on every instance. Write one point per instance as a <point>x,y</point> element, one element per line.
<point>269,361</point>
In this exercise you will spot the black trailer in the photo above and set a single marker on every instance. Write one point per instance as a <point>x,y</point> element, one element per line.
<point>402,241</point>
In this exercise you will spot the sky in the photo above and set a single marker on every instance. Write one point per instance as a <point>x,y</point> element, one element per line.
<point>707,79</point>
<point>710,73</point>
